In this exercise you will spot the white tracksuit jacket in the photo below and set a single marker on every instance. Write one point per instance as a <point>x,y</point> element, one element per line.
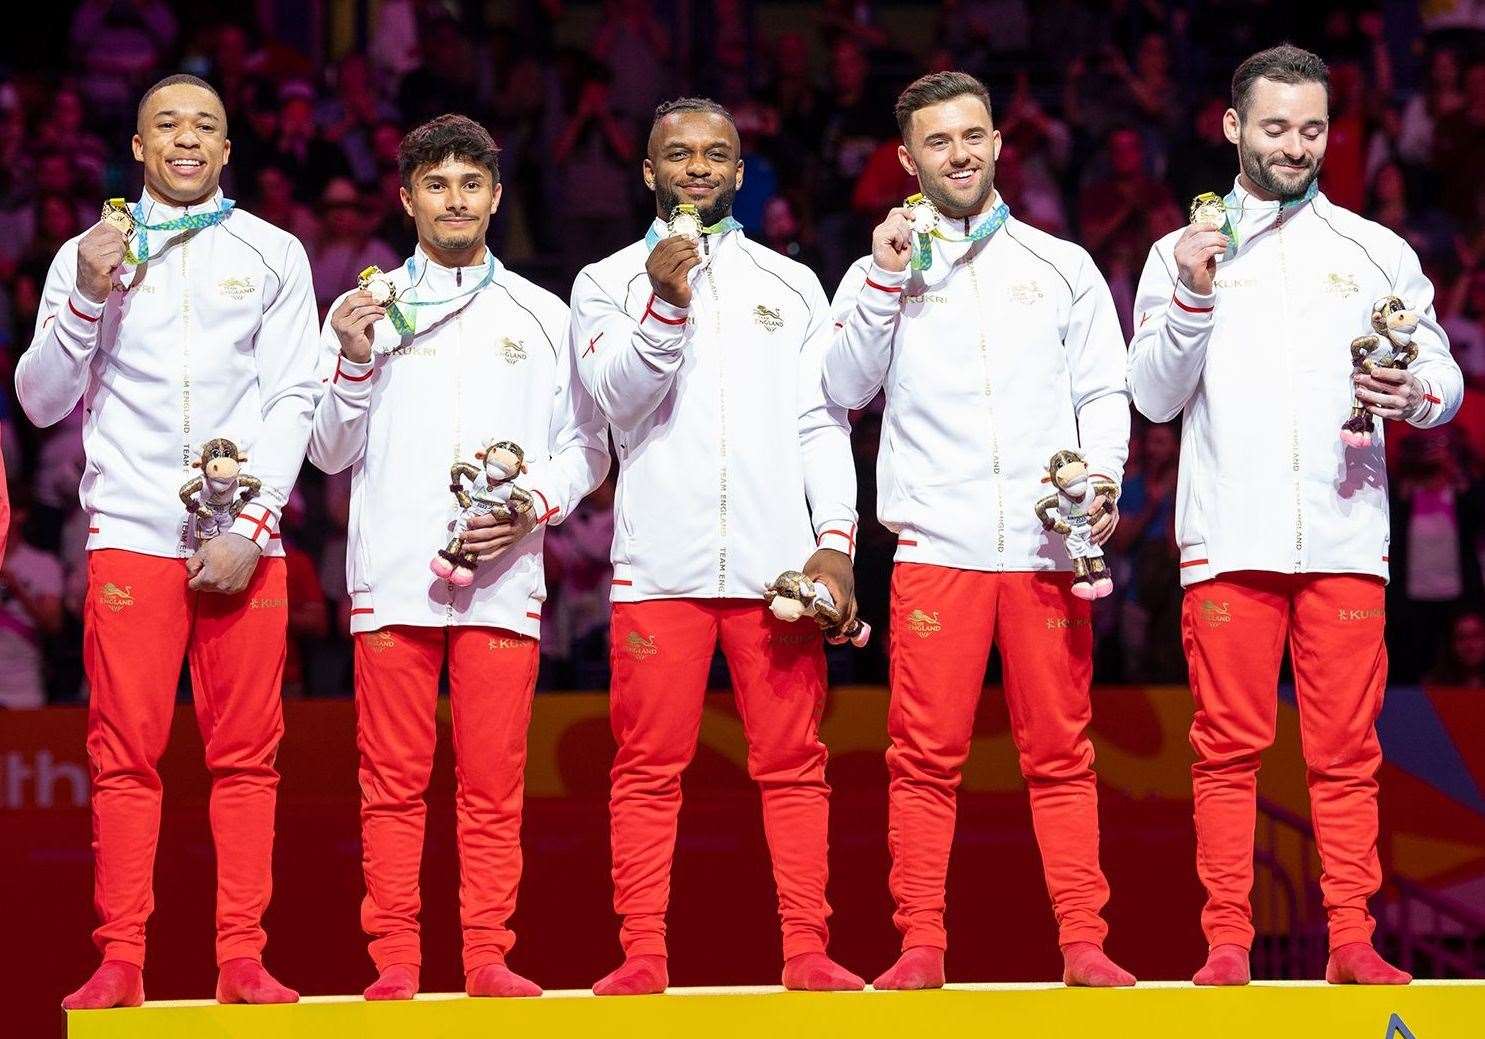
<point>214,336</point>
<point>1260,370</point>
<point>732,464</point>
<point>1000,354</point>
<point>493,365</point>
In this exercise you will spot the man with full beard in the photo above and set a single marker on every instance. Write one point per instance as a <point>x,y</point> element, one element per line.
<point>703,350</point>
<point>997,346</point>
<point>1244,330</point>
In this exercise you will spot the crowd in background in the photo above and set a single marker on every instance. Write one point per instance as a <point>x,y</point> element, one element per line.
<point>1111,115</point>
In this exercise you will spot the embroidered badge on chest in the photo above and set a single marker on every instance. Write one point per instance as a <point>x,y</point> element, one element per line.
<point>512,351</point>
<point>768,317</point>
<point>1027,292</point>
<point>1343,285</point>
<point>238,288</point>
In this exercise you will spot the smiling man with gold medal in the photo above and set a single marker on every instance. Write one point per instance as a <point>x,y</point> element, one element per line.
<point>997,346</point>
<point>180,319</point>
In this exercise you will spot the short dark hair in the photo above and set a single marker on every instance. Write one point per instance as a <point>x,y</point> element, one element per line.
<point>175,80</point>
<point>1285,63</point>
<point>933,89</point>
<point>447,137</point>
<point>687,104</point>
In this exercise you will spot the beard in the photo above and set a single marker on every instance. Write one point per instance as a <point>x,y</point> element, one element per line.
<point>667,199</point>
<point>936,188</point>
<point>1260,171</point>
<point>455,242</point>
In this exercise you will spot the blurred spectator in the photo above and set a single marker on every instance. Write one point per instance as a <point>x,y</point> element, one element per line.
<point>855,125</point>
<point>636,48</point>
<point>275,202</point>
<point>345,246</point>
<point>574,642</point>
<point>118,46</point>
<point>781,232</point>
<point>1442,97</point>
<point>1462,662</point>
<point>1459,151</point>
<point>597,160</point>
<point>1437,509</point>
<point>30,611</point>
<point>1148,561</point>
<point>298,147</point>
<point>349,118</point>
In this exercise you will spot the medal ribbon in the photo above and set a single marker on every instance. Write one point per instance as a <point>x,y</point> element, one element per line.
<point>189,222</point>
<point>407,323</point>
<point>727,223</point>
<point>922,257</point>
<point>1232,204</point>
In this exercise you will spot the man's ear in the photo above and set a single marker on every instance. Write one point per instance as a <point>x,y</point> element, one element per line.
<point>1232,126</point>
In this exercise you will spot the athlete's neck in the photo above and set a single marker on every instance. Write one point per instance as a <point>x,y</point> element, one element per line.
<point>1246,183</point>
<point>986,208</point>
<point>154,192</point>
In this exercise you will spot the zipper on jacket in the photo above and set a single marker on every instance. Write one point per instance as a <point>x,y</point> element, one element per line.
<point>974,280</point>
<point>711,282</point>
<point>185,382</point>
<point>1294,461</point>
<point>448,609</point>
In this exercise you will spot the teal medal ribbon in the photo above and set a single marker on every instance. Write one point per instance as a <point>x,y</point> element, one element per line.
<point>727,223</point>
<point>1233,204</point>
<point>406,321</point>
<point>189,222</point>
<point>922,252</point>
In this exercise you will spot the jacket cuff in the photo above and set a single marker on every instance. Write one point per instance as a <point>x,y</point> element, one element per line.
<point>662,316</point>
<point>1194,308</point>
<point>81,316</point>
<point>881,293</point>
<point>1427,412</point>
<point>545,505</point>
<point>352,380</point>
<point>258,523</point>
<point>837,534</point>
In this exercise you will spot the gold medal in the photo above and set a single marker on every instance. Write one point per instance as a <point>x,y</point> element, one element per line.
<point>685,222</point>
<point>922,213</point>
<point>116,215</point>
<point>372,280</point>
<point>1208,211</point>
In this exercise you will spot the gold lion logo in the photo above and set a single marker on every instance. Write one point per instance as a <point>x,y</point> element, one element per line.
<point>1215,613</point>
<point>116,598</point>
<point>238,288</point>
<point>770,319</point>
<point>512,351</point>
<point>639,647</point>
<point>924,624</point>
<point>1027,292</point>
<point>1343,285</point>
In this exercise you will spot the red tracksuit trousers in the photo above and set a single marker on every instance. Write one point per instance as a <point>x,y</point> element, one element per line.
<point>942,625</point>
<point>1234,628</point>
<point>492,675</point>
<point>661,652</point>
<point>139,621</point>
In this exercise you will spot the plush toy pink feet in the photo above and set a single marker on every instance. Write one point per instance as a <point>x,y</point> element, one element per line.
<point>441,566</point>
<point>1084,590</point>
<point>1353,439</point>
<point>1102,587</point>
<point>462,577</point>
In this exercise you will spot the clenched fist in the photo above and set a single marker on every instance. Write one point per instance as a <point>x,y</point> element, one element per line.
<point>1196,257</point>
<point>669,267</point>
<point>892,241</point>
<point>100,252</point>
<point>352,323</point>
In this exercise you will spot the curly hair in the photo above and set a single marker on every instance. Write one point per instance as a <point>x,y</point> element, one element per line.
<point>443,138</point>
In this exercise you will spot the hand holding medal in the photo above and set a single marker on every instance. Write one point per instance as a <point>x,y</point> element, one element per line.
<point>1209,235</point>
<point>892,240</point>
<point>673,258</point>
<point>102,250</point>
<point>352,322</point>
